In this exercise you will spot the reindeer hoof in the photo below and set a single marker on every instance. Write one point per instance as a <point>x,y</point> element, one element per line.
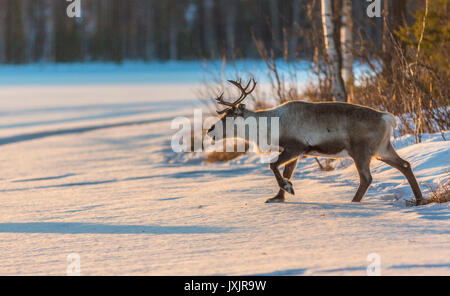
<point>287,186</point>
<point>275,199</point>
<point>421,202</point>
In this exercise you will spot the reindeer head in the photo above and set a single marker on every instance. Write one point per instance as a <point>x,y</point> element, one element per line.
<point>233,110</point>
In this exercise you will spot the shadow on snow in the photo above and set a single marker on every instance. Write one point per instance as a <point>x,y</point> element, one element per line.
<point>96,228</point>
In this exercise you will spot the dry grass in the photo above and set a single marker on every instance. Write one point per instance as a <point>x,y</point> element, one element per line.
<point>327,166</point>
<point>226,155</point>
<point>214,156</point>
<point>440,194</point>
<point>229,149</point>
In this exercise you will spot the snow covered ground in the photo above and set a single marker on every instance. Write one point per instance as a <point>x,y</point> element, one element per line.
<point>88,169</point>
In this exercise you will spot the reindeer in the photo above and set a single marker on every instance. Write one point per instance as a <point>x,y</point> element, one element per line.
<point>328,129</point>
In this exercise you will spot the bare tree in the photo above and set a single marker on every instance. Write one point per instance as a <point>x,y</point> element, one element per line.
<point>3,9</point>
<point>394,16</point>
<point>347,46</point>
<point>209,32</point>
<point>230,19</point>
<point>134,19</point>
<point>150,44</point>
<point>273,5</point>
<point>293,42</point>
<point>175,23</point>
<point>49,33</point>
<point>173,36</point>
<point>89,28</point>
<point>29,29</point>
<point>347,41</point>
<point>328,32</point>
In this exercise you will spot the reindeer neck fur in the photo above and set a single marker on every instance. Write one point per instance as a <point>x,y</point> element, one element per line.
<point>263,120</point>
<point>269,113</point>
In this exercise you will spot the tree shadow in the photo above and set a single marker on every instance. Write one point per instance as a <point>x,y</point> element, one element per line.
<point>285,272</point>
<point>77,130</point>
<point>44,178</point>
<point>97,228</point>
<point>411,266</point>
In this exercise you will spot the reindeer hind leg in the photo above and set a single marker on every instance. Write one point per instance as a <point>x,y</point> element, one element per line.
<point>362,164</point>
<point>390,156</point>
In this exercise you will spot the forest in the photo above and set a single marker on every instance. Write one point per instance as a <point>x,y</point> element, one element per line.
<point>402,44</point>
<point>117,30</point>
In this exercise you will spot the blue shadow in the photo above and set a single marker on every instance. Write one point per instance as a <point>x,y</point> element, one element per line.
<point>96,228</point>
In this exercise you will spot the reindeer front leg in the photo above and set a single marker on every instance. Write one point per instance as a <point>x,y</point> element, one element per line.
<point>287,157</point>
<point>287,174</point>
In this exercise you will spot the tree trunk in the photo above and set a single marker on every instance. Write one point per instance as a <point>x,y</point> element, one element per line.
<point>293,42</point>
<point>48,52</point>
<point>328,29</point>
<point>273,5</point>
<point>3,10</point>
<point>208,24</point>
<point>135,12</point>
<point>28,29</point>
<point>398,13</point>
<point>176,14</point>
<point>230,7</point>
<point>150,39</point>
<point>347,42</point>
<point>88,29</point>
<point>394,13</point>
<point>173,37</point>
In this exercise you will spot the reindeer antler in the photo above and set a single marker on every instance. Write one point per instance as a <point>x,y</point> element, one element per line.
<point>244,93</point>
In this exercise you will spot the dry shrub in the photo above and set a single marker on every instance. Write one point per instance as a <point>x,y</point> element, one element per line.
<point>215,156</point>
<point>229,149</point>
<point>440,194</point>
<point>415,92</point>
<point>411,79</point>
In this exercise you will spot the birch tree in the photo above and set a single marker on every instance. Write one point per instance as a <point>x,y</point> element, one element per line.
<point>328,32</point>
<point>347,41</point>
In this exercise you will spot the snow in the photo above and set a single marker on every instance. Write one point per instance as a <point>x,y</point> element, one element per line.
<point>88,169</point>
